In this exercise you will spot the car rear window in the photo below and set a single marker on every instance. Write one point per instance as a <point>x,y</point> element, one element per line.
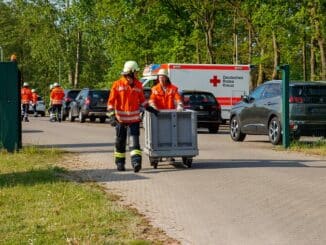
<point>73,94</point>
<point>99,94</point>
<point>309,94</point>
<point>203,98</point>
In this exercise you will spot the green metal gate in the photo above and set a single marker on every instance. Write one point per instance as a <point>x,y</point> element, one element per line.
<point>10,122</point>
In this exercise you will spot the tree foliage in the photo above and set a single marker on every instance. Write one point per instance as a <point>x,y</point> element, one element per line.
<point>85,42</point>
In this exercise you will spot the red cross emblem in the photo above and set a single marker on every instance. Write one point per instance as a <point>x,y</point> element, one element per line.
<point>215,80</point>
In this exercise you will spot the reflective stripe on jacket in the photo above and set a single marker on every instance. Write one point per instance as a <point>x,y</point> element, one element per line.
<point>26,95</point>
<point>126,100</point>
<point>57,95</point>
<point>167,99</point>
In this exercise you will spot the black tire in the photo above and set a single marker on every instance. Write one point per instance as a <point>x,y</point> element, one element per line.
<point>154,162</point>
<point>187,161</point>
<point>92,119</point>
<point>295,137</point>
<point>274,131</point>
<point>213,129</point>
<point>42,114</point>
<point>235,131</point>
<point>102,119</point>
<point>81,117</point>
<point>71,118</point>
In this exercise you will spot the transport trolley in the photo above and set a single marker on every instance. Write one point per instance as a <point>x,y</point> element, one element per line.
<point>171,134</point>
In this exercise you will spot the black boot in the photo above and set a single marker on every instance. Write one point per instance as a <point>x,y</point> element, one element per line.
<point>136,163</point>
<point>120,162</point>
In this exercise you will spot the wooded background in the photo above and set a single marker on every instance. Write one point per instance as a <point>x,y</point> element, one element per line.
<point>85,43</point>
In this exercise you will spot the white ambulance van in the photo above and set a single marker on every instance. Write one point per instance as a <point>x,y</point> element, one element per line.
<point>227,82</point>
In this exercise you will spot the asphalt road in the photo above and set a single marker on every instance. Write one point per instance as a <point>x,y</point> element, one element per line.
<point>236,193</point>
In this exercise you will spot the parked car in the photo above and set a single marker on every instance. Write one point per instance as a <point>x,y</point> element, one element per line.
<point>207,107</point>
<point>70,95</point>
<point>89,103</point>
<point>260,112</point>
<point>40,107</point>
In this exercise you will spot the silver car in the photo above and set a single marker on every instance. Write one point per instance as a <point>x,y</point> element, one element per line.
<point>40,107</point>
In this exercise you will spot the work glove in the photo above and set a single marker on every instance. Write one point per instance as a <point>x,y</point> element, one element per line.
<point>180,107</point>
<point>152,110</point>
<point>111,115</point>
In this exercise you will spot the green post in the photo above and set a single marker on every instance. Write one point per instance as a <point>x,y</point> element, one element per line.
<point>10,123</point>
<point>285,104</point>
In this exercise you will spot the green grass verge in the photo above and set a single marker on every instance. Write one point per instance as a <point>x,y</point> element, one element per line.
<point>38,206</point>
<point>308,147</point>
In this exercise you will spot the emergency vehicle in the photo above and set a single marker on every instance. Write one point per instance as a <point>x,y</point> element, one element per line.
<point>227,82</point>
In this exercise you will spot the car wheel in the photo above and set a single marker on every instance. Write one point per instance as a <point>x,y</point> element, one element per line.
<point>42,114</point>
<point>187,161</point>
<point>295,136</point>
<point>213,129</point>
<point>81,117</point>
<point>71,118</point>
<point>92,119</point>
<point>102,119</point>
<point>274,131</point>
<point>235,130</point>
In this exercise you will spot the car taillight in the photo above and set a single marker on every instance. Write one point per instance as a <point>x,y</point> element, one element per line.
<point>295,99</point>
<point>87,101</point>
<point>68,99</point>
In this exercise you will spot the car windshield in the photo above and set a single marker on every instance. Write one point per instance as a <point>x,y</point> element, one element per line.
<point>199,98</point>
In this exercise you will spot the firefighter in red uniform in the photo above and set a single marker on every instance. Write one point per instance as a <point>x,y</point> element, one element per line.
<point>126,98</point>
<point>26,98</point>
<point>164,94</point>
<point>34,101</point>
<point>56,97</point>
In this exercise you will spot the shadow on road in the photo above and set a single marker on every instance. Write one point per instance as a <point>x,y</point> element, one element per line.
<point>106,175</point>
<point>32,131</point>
<point>212,164</point>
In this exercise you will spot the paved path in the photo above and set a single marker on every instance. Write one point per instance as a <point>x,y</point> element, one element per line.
<point>236,193</point>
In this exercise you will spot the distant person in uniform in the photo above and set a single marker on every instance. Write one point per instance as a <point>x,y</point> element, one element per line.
<point>26,99</point>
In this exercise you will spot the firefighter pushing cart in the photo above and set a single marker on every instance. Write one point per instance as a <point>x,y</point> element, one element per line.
<point>171,134</point>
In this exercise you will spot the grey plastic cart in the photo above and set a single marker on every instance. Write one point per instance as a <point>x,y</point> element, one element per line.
<point>171,134</point>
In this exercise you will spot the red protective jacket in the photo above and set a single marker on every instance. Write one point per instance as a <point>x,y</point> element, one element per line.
<point>126,100</point>
<point>34,97</point>
<point>26,95</point>
<point>57,95</point>
<point>167,99</point>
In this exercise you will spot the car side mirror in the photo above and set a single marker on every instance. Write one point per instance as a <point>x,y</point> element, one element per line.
<point>248,99</point>
<point>245,98</point>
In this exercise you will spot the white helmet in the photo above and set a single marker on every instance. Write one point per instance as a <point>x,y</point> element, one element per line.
<point>56,84</point>
<point>130,67</point>
<point>25,84</point>
<point>162,72</point>
<point>33,90</point>
<point>51,86</point>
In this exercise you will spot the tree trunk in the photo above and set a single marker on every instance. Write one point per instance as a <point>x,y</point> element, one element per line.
<point>276,56</point>
<point>249,45</point>
<point>78,52</point>
<point>321,43</point>
<point>304,62</point>
<point>234,40</point>
<point>312,60</point>
<point>261,69</point>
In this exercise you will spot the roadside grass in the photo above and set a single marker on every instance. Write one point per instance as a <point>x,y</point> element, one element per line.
<point>39,206</point>
<point>309,147</point>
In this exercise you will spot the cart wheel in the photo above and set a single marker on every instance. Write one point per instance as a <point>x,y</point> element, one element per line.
<point>153,161</point>
<point>187,161</point>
